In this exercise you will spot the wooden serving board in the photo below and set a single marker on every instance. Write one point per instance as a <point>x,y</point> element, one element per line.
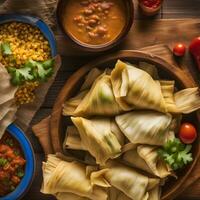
<point>149,33</point>
<point>164,52</point>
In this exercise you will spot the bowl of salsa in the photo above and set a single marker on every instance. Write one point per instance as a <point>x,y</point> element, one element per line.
<point>150,7</point>
<point>95,25</point>
<point>17,164</point>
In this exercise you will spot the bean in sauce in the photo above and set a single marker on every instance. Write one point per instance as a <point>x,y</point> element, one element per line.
<point>94,21</point>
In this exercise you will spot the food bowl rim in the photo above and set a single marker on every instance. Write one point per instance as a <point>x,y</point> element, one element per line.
<point>102,47</point>
<point>36,22</point>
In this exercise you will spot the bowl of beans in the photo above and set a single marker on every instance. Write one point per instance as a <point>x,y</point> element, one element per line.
<point>22,39</point>
<point>95,25</point>
<point>17,164</point>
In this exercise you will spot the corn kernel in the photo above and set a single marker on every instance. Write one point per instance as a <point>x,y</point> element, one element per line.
<point>27,42</point>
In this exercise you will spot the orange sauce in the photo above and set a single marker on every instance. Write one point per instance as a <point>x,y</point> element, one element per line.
<point>94,22</point>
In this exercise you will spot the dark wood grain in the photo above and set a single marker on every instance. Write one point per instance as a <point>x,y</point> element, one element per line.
<point>153,32</point>
<point>181,9</point>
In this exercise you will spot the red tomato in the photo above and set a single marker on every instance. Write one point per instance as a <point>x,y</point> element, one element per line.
<point>187,133</point>
<point>179,49</point>
<point>194,49</point>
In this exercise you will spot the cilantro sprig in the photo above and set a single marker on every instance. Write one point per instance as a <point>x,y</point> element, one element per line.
<point>5,48</point>
<point>19,76</point>
<point>31,71</point>
<point>176,154</point>
<point>41,70</point>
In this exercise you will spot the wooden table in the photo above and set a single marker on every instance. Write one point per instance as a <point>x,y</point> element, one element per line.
<point>172,9</point>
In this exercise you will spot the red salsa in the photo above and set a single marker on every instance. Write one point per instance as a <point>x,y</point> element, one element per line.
<point>151,3</point>
<point>12,164</point>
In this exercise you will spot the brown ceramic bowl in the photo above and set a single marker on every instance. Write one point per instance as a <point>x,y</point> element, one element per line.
<point>58,123</point>
<point>129,6</point>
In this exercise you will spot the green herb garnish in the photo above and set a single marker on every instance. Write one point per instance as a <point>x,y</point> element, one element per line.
<point>41,70</point>
<point>19,76</point>
<point>176,154</point>
<point>5,48</point>
<point>3,162</point>
<point>9,142</point>
<point>20,174</point>
<point>17,152</point>
<point>32,70</point>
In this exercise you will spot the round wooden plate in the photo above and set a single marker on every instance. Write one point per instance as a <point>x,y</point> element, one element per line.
<point>58,123</point>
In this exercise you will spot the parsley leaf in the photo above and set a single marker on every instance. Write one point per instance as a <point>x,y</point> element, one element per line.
<point>17,152</point>
<point>3,162</point>
<point>5,49</point>
<point>43,70</point>
<point>31,70</point>
<point>19,76</point>
<point>176,154</point>
<point>20,174</point>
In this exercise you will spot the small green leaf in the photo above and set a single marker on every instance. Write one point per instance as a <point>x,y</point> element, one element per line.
<point>188,148</point>
<point>26,73</point>
<point>30,63</point>
<point>16,79</point>
<point>30,71</point>
<point>48,63</point>
<point>3,162</point>
<point>43,73</point>
<point>5,49</point>
<point>170,159</point>
<point>19,76</point>
<point>176,154</point>
<point>17,152</point>
<point>20,174</point>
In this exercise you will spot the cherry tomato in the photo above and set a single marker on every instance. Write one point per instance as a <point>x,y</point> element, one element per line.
<point>179,49</point>
<point>187,133</point>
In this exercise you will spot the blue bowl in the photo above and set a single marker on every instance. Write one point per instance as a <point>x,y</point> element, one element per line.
<point>26,147</point>
<point>34,21</point>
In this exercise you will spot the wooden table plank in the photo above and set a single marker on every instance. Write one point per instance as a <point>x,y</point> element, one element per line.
<point>151,31</point>
<point>181,9</point>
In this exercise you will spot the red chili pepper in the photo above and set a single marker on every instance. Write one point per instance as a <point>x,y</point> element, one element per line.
<point>195,50</point>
